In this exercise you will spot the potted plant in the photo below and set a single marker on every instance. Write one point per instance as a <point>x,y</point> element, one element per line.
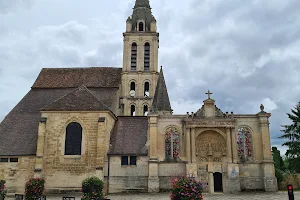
<point>92,188</point>
<point>186,188</point>
<point>3,190</point>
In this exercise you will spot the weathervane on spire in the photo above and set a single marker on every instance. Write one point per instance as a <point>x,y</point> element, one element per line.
<point>208,93</point>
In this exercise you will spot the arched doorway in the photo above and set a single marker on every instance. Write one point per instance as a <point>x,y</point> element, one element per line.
<point>218,182</point>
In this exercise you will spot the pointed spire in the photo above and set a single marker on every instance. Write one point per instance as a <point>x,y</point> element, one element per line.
<point>161,101</point>
<point>142,3</point>
<point>142,13</point>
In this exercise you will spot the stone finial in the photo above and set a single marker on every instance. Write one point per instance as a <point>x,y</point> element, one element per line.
<point>262,108</point>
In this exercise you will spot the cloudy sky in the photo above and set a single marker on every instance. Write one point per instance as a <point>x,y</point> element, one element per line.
<point>245,52</point>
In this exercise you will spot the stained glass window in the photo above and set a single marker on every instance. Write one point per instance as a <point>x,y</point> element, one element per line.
<point>172,144</point>
<point>244,144</point>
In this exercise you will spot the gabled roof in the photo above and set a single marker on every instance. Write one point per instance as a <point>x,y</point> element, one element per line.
<point>129,136</point>
<point>161,101</point>
<point>94,77</point>
<point>80,99</point>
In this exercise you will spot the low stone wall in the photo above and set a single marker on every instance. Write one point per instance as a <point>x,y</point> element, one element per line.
<point>167,171</point>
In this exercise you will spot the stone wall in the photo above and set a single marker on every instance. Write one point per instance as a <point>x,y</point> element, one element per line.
<point>251,177</point>
<point>128,178</point>
<point>167,171</point>
<point>18,173</point>
<point>64,172</point>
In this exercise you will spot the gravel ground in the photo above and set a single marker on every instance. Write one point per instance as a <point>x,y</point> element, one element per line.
<point>217,196</point>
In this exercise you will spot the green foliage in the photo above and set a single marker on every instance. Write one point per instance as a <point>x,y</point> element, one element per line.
<point>3,191</point>
<point>34,188</point>
<point>92,188</point>
<point>279,175</point>
<point>185,188</point>
<point>278,161</point>
<point>292,134</point>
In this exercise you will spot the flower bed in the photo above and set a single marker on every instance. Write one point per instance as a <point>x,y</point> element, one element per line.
<point>186,188</point>
<point>3,191</point>
<point>34,188</point>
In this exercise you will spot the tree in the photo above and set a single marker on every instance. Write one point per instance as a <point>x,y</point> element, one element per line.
<point>278,161</point>
<point>292,135</point>
<point>278,164</point>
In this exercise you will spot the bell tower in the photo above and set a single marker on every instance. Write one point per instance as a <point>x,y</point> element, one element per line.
<point>140,61</point>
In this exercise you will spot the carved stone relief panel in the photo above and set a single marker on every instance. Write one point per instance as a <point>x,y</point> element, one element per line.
<point>210,146</point>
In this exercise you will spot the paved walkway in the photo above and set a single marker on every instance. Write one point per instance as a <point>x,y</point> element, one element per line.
<point>220,196</point>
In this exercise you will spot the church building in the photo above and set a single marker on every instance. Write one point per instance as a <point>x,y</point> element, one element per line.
<point>117,124</point>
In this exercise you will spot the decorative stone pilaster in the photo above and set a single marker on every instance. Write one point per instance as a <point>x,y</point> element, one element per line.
<point>100,147</point>
<point>188,145</point>
<point>234,146</point>
<point>270,181</point>
<point>153,179</point>
<point>228,143</point>
<point>40,148</point>
<point>193,141</point>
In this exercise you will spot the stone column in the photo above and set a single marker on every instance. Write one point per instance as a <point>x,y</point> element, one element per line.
<point>153,179</point>
<point>100,148</point>
<point>234,146</point>
<point>188,145</point>
<point>211,182</point>
<point>193,140</point>
<point>228,140</point>
<point>40,148</point>
<point>270,181</point>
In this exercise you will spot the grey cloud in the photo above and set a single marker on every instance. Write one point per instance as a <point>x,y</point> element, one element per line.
<point>10,6</point>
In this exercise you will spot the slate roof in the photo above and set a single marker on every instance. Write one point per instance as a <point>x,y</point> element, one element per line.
<point>76,77</point>
<point>161,101</point>
<point>53,90</point>
<point>80,99</point>
<point>129,136</point>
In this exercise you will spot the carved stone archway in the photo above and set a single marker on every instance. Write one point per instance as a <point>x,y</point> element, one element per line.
<point>210,146</point>
<point>210,152</point>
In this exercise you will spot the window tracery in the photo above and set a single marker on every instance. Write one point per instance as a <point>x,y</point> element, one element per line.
<point>244,144</point>
<point>172,144</point>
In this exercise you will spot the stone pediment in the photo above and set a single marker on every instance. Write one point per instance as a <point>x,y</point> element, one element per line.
<point>201,113</point>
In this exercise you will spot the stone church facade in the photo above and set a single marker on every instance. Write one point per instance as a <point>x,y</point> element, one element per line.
<point>117,124</point>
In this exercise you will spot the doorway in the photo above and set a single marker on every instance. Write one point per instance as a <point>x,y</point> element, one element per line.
<point>218,186</point>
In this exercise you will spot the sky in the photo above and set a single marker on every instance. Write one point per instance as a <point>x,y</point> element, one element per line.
<point>245,52</point>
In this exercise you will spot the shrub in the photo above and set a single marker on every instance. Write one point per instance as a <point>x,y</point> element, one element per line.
<point>185,188</point>
<point>279,175</point>
<point>34,188</point>
<point>92,188</point>
<point>3,191</point>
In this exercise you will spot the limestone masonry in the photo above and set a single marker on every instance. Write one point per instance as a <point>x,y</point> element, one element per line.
<point>117,124</point>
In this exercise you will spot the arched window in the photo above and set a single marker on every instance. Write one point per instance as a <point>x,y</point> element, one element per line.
<point>73,139</point>
<point>244,143</point>
<point>145,110</point>
<point>147,57</point>
<point>132,110</point>
<point>133,56</point>
<point>141,26</point>
<point>147,89</point>
<point>132,86</point>
<point>172,144</point>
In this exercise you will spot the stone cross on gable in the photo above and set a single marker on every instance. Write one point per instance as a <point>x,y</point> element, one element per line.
<point>208,93</point>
